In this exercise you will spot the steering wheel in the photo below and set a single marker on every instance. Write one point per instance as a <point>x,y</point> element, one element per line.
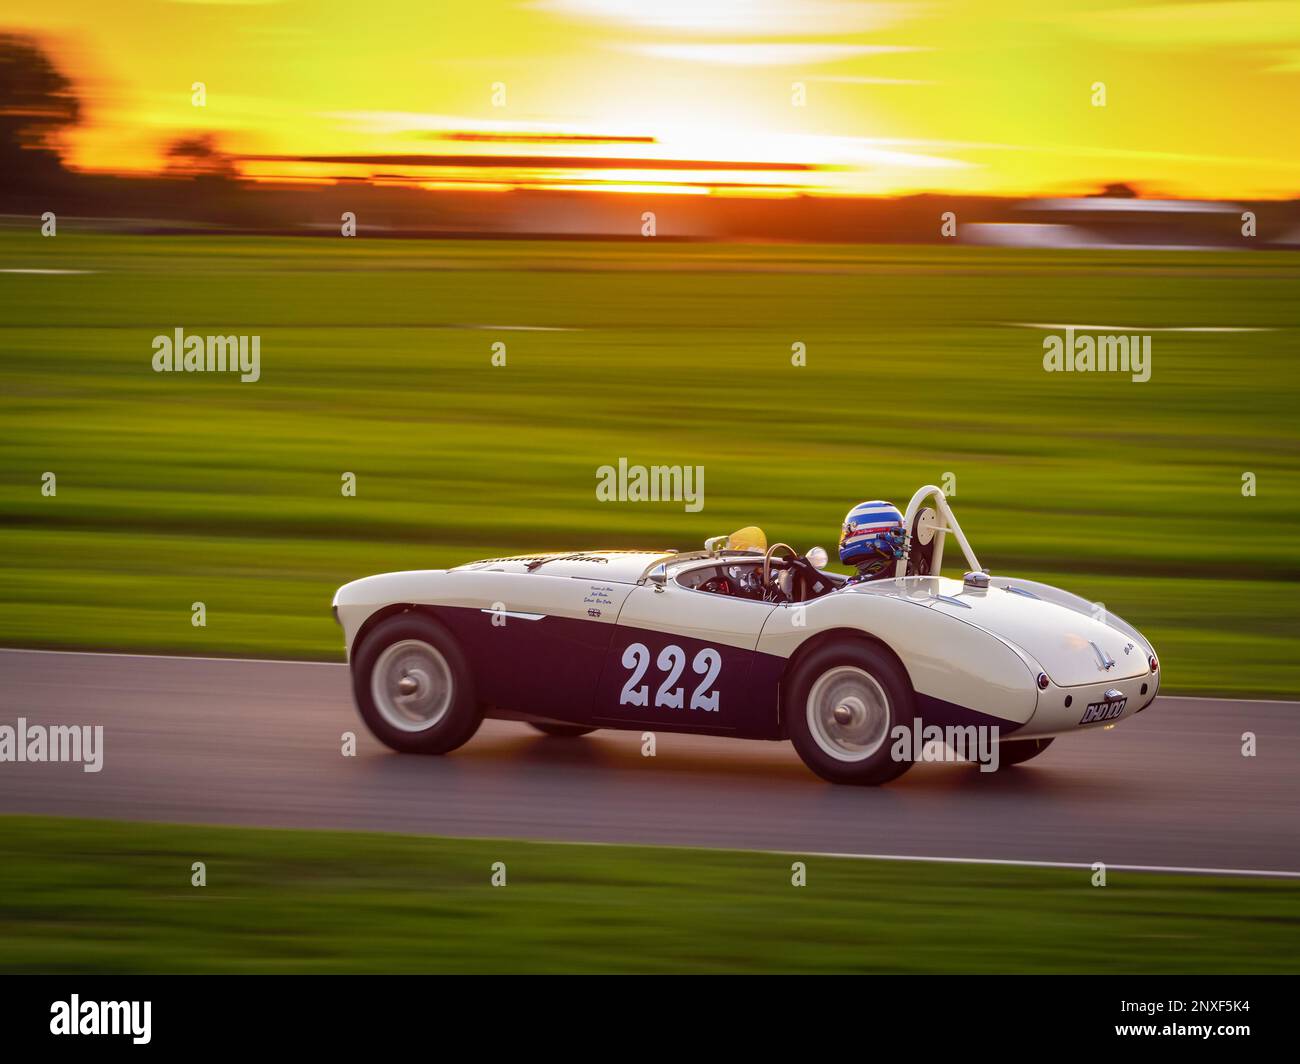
<point>767,562</point>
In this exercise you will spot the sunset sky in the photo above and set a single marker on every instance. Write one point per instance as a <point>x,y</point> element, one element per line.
<point>1201,98</point>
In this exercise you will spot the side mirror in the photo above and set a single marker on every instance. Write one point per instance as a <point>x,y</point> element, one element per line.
<point>817,556</point>
<point>659,576</point>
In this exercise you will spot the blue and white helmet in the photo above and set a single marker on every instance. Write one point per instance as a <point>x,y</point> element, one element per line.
<point>873,536</point>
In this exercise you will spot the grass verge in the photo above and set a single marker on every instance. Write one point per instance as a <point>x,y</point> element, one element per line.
<point>108,897</point>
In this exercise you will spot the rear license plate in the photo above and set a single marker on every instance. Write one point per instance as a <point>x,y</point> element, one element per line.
<point>1103,710</point>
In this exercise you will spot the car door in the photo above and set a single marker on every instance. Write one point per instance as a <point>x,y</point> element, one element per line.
<point>536,643</point>
<point>684,660</point>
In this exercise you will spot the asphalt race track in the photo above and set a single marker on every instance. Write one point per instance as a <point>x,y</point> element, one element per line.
<point>249,742</point>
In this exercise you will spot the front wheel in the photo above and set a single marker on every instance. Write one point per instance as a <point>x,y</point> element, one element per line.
<point>413,686</point>
<point>842,704</point>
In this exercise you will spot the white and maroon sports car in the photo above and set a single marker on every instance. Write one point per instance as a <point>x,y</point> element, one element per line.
<point>745,640</point>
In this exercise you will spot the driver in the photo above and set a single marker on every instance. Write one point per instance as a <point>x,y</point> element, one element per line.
<point>872,540</point>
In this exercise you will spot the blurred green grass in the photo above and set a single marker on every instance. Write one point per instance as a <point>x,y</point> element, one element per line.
<point>177,488</point>
<point>101,897</point>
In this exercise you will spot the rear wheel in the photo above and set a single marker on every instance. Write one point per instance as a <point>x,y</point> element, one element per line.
<point>413,686</point>
<point>561,731</point>
<point>841,706</point>
<point>1018,751</point>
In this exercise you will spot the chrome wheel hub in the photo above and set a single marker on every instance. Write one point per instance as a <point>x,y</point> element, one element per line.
<point>848,713</point>
<point>412,685</point>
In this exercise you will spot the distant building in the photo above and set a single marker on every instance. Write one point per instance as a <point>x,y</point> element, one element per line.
<point>1116,221</point>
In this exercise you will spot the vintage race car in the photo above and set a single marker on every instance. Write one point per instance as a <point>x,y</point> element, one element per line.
<point>745,640</point>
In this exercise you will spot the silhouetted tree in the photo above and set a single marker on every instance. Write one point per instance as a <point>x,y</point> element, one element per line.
<point>36,104</point>
<point>198,156</point>
<point>1119,190</point>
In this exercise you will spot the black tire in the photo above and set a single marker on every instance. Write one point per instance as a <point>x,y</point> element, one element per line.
<point>456,715</point>
<point>878,766</point>
<point>560,731</point>
<point>1018,751</point>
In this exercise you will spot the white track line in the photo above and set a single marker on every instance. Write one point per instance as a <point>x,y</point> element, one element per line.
<point>519,328</point>
<point>46,272</point>
<point>169,657</point>
<point>1143,328</point>
<point>920,859</point>
<point>1177,869</point>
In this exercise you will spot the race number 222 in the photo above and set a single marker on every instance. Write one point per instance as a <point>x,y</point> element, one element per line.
<point>706,664</point>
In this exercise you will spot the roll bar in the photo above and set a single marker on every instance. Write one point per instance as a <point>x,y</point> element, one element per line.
<point>947,523</point>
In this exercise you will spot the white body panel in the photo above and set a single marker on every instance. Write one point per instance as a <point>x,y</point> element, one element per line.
<point>945,659</point>
<point>500,592</point>
<point>709,618</point>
